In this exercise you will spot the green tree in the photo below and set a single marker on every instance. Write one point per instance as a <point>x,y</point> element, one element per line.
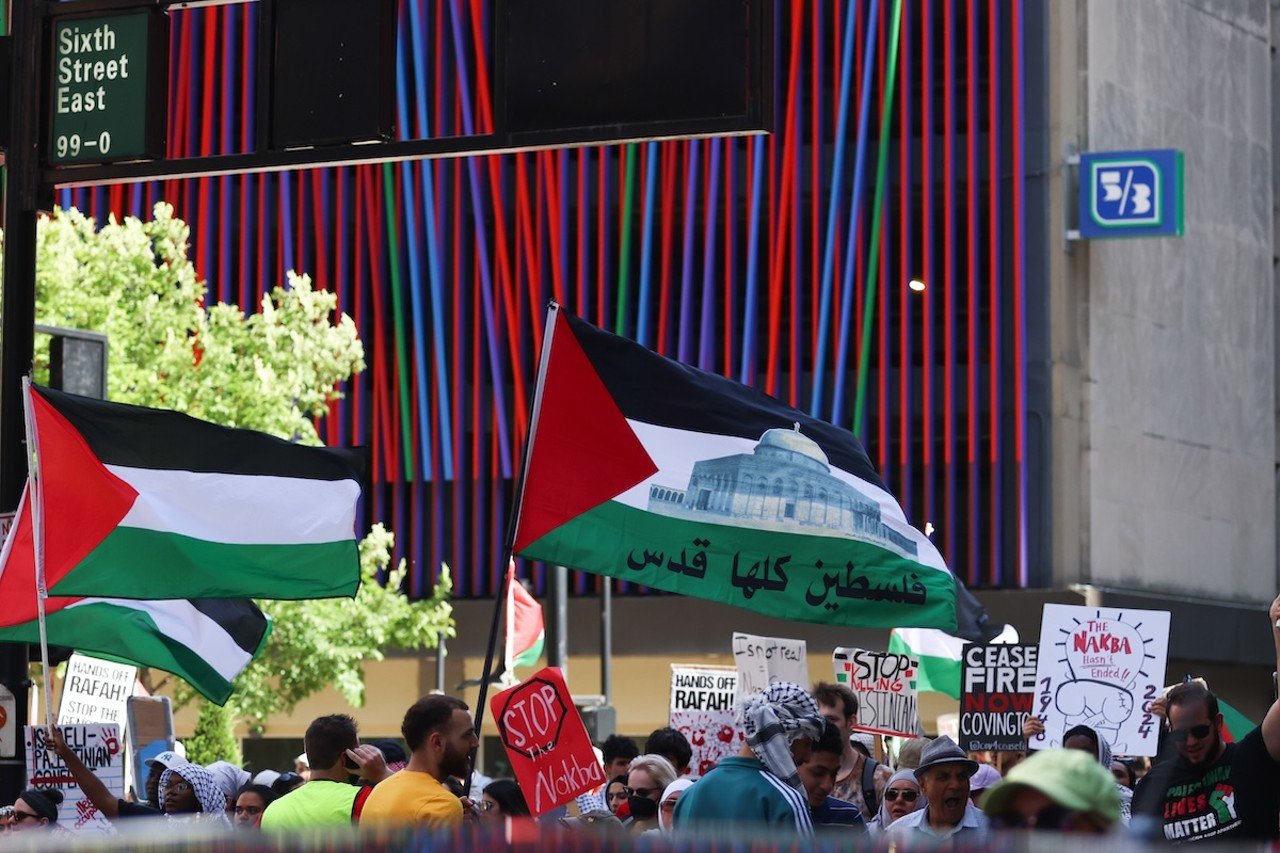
<point>275,370</point>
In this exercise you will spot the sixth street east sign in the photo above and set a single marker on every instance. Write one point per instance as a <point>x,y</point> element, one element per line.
<point>1131,194</point>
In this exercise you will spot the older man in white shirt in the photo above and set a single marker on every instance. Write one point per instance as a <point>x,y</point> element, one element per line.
<point>943,774</point>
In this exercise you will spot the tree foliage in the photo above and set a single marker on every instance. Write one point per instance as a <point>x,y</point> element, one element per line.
<point>275,370</point>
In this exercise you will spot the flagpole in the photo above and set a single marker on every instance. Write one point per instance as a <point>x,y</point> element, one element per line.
<point>499,604</point>
<point>35,486</point>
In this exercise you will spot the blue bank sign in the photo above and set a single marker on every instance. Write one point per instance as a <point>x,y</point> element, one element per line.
<point>1131,194</point>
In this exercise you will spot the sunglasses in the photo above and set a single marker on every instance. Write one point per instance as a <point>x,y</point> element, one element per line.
<point>19,816</point>
<point>908,796</point>
<point>1199,732</point>
<point>645,793</point>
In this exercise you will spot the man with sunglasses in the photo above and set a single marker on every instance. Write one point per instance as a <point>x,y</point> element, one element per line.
<point>1212,789</point>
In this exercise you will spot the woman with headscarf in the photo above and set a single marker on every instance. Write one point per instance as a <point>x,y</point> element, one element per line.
<point>1086,739</point>
<point>189,792</point>
<point>667,805</point>
<point>35,811</point>
<point>901,797</point>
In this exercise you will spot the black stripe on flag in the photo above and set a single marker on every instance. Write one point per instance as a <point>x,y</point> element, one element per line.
<point>653,389</point>
<point>239,617</point>
<point>139,437</point>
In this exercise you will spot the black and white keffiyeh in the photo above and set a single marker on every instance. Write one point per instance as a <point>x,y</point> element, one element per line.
<point>213,803</point>
<point>775,717</point>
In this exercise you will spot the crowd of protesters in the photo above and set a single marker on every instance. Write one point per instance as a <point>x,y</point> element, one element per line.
<point>803,770</point>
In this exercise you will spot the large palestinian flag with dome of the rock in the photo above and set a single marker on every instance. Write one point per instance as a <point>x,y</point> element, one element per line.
<point>655,472</point>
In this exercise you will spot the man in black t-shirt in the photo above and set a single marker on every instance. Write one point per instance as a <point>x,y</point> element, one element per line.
<point>1212,789</point>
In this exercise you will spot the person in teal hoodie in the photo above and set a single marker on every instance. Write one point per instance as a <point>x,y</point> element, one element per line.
<point>761,785</point>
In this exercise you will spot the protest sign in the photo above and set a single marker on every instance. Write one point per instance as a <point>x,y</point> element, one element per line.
<point>1101,667</point>
<point>764,660</point>
<point>998,685</point>
<point>546,741</point>
<point>150,733</point>
<point>703,700</point>
<point>98,745</point>
<point>885,685</point>
<point>96,691</point>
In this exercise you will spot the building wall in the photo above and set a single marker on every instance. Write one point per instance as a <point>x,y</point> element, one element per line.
<point>1164,398</point>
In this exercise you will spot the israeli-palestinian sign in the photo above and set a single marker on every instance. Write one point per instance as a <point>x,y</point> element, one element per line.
<point>99,746</point>
<point>885,685</point>
<point>763,660</point>
<point>998,684</point>
<point>703,700</point>
<point>1101,667</point>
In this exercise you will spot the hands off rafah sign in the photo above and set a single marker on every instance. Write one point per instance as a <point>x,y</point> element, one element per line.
<point>885,684</point>
<point>546,741</point>
<point>703,703</point>
<point>100,748</point>
<point>1101,667</point>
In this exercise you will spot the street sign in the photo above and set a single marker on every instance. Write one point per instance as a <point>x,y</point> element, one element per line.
<point>103,102</point>
<point>1131,194</point>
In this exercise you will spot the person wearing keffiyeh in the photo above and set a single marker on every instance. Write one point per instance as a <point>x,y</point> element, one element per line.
<point>190,792</point>
<point>760,784</point>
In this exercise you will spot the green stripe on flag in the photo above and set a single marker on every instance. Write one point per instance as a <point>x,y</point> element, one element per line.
<point>130,636</point>
<point>530,656</point>
<point>778,574</point>
<point>1237,723</point>
<point>167,565</point>
<point>939,674</point>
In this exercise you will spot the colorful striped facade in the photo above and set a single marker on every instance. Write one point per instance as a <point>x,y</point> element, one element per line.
<point>744,256</point>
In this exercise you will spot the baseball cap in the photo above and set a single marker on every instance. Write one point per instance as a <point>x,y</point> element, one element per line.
<point>168,759</point>
<point>1070,777</point>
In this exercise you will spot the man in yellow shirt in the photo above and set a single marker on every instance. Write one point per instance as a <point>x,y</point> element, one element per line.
<point>440,735</point>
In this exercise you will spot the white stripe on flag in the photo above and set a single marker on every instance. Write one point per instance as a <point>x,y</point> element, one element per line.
<point>675,451</point>
<point>241,509</point>
<point>930,642</point>
<point>181,621</point>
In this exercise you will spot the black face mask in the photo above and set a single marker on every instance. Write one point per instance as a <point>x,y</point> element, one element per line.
<point>642,808</point>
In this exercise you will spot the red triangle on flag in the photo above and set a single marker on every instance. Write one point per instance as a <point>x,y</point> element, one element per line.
<point>83,503</point>
<point>582,452</point>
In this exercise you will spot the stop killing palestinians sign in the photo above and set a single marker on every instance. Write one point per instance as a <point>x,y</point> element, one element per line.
<point>546,741</point>
<point>885,685</point>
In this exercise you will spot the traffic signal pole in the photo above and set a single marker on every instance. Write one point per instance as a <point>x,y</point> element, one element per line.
<point>23,195</point>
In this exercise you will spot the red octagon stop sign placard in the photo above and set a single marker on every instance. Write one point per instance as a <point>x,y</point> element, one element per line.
<point>546,741</point>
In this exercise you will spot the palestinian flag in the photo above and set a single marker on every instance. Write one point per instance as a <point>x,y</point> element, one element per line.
<point>525,633</point>
<point>651,471</point>
<point>205,642</point>
<point>152,504</point>
<point>939,655</point>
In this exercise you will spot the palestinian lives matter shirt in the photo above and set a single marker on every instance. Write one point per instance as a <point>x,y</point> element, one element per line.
<point>1237,797</point>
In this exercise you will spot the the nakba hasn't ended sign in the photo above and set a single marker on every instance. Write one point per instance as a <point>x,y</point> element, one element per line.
<point>546,741</point>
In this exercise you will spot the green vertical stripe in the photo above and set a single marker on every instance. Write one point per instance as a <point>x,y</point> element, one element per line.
<point>624,255</point>
<point>402,376</point>
<point>877,205</point>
